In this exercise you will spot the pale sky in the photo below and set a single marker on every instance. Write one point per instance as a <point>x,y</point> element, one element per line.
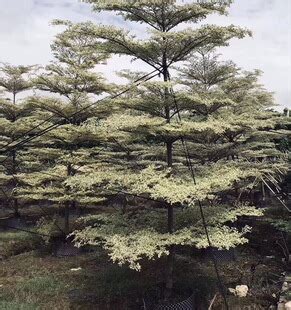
<point>26,34</point>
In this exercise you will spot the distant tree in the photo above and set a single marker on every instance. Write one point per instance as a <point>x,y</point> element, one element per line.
<point>64,150</point>
<point>15,120</point>
<point>15,79</point>
<point>251,139</point>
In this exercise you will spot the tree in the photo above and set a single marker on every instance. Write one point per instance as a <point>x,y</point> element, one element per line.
<point>65,149</point>
<point>252,135</point>
<point>16,79</point>
<point>143,121</point>
<point>15,121</point>
<point>151,111</point>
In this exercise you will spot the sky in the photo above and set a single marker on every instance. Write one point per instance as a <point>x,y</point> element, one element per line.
<point>26,35</point>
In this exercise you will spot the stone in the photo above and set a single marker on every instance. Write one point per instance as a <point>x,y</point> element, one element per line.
<point>76,269</point>
<point>232,290</point>
<point>241,290</point>
<point>270,257</point>
<point>285,286</point>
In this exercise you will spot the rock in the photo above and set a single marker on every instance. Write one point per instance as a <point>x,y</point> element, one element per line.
<point>270,257</point>
<point>285,286</point>
<point>76,269</point>
<point>232,290</point>
<point>241,290</point>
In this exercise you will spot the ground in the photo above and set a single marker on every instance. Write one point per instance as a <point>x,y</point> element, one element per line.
<point>35,280</point>
<point>32,278</point>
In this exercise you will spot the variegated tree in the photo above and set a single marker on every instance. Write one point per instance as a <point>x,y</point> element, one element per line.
<point>15,120</point>
<point>73,87</point>
<point>153,122</point>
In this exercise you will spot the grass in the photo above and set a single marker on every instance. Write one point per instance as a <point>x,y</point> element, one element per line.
<point>33,282</point>
<point>118,282</point>
<point>30,281</point>
<point>35,293</point>
<point>13,243</point>
<point>12,236</point>
<point>12,305</point>
<point>45,285</point>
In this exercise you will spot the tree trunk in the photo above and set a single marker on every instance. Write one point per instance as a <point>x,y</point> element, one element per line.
<point>263,191</point>
<point>14,98</point>
<point>15,200</point>
<point>68,206</point>
<point>169,154</point>
<point>169,145</point>
<point>15,207</point>
<point>67,219</point>
<point>171,256</point>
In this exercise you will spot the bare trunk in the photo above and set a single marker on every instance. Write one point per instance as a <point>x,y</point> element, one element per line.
<point>263,191</point>
<point>14,98</point>
<point>67,219</point>
<point>171,256</point>
<point>169,145</point>
<point>170,219</point>
<point>15,207</point>
<point>15,200</point>
<point>68,205</point>
<point>169,154</point>
<point>236,189</point>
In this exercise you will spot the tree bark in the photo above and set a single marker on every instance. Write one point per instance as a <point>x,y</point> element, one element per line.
<point>68,206</point>
<point>170,273</point>
<point>263,191</point>
<point>16,208</point>
<point>15,200</point>
<point>169,154</point>
<point>169,145</point>
<point>14,98</point>
<point>67,219</point>
<point>171,256</point>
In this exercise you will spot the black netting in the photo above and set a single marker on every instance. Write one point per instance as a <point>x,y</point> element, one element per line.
<point>224,256</point>
<point>67,250</point>
<point>187,304</point>
<point>14,224</point>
